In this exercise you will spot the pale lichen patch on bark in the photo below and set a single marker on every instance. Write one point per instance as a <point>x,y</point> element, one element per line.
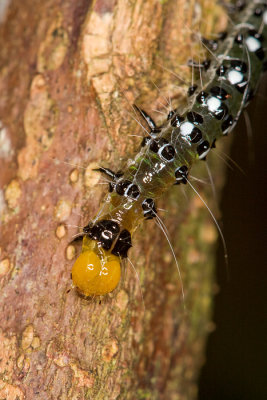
<point>20,361</point>
<point>91,177</point>
<point>53,49</point>
<point>70,252</point>
<point>114,56</point>
<point>6,150</point>
<point>61,231</point>
<point>27,337</point>
<point>13,193</point>
<point>62,210</point>
<point>74,175</point>
<point>110,350</point>
<point>122,300</point>
<point>8,351</point>
<point>62,360</point>
<point>36,343</point>
<point>5,267</point>
<point>40,121</point>
<point>82,377</point>
<point>10,392</point>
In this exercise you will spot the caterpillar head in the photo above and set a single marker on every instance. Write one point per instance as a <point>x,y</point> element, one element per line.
<point>97,270</point>
<point>96,274</point>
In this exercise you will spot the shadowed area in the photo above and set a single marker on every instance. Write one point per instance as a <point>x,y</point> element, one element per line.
<point>236,351</point>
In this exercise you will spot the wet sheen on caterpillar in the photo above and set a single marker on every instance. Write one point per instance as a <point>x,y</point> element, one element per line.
<point>168,152</point>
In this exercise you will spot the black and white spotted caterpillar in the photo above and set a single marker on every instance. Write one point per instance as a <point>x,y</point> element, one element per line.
<point>168,152</point>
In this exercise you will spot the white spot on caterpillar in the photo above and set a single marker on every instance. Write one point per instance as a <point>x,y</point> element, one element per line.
<point>186,128</point>
<point>107,234</point>
<point>128,205</point>
<point>103,271</point>
<point>148,177</point>
<point>158,167</point>
<point>90,267</point>
<point>235,77</point>
<point>253,44</point>
<point>213,104</point>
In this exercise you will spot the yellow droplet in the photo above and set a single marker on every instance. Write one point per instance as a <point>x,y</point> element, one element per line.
<point>94,276</point>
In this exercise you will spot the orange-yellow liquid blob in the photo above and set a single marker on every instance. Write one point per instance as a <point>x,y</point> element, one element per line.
<point>94,276</point>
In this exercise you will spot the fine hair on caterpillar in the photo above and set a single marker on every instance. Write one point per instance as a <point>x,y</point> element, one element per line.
<point>228,79</point>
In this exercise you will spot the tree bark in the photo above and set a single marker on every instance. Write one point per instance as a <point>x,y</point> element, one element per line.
<point>69,74</point>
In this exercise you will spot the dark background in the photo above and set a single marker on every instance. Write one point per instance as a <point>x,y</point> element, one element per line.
<point>236,366</point>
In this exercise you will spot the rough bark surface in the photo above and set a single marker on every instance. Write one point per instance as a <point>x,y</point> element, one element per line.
<point>69,73</point>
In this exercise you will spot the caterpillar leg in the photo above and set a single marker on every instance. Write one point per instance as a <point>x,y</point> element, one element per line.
<point>150,122</point>
<point>204,64</point>
<point>233,8</point>
<point>113,175</point>
<point>210,43</point>
<point>78,238</point>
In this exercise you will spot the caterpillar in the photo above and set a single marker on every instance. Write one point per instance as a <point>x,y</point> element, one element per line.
<point>167,153</point>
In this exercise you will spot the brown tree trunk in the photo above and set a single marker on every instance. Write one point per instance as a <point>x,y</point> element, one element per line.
<point>69,74</point>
